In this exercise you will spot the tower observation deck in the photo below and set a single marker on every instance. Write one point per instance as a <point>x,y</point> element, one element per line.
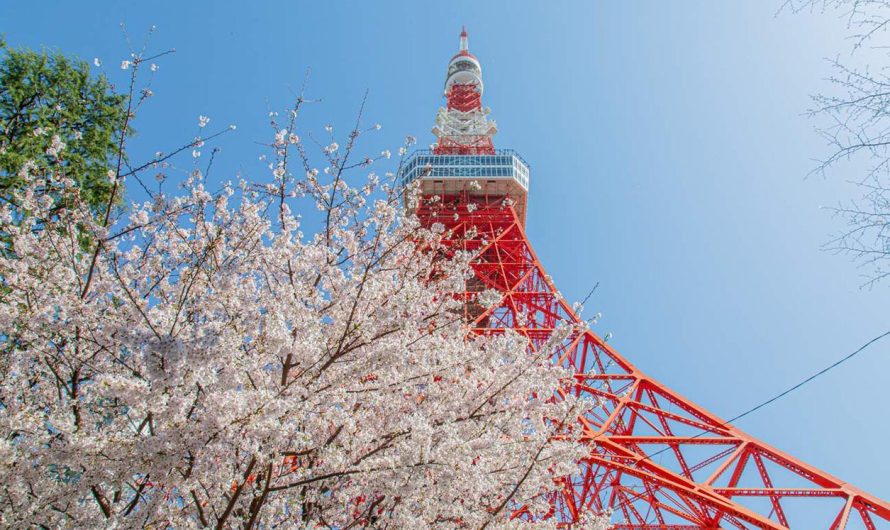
<point>464,162</point>
<point>655,458</point>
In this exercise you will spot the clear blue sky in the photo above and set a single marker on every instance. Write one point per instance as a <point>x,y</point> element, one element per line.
<point>668,149</point>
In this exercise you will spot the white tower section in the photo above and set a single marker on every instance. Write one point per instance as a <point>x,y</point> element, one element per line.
<point>464,68</point>
<point>462,127</point>
<point>464,166</point>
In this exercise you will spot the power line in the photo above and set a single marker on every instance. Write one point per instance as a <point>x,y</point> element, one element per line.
<point>808,379</point>
<point>784,393</point>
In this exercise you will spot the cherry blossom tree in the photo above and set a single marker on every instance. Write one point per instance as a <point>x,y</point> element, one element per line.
<point>203,362</point>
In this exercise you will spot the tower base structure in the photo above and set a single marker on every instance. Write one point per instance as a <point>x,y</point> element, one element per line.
<point>656,460</point>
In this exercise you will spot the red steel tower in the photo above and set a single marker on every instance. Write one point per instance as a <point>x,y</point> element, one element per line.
<point>656,459</point>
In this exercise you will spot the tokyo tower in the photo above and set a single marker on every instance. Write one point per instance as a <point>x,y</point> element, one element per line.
<point>656,460</point>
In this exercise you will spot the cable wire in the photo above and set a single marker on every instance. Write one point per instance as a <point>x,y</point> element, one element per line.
<point>808,379</point>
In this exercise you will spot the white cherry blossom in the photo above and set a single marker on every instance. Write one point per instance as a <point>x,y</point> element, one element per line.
<point>204,362</point>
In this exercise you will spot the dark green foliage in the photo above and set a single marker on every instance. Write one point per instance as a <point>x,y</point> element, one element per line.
<point>47,94</point>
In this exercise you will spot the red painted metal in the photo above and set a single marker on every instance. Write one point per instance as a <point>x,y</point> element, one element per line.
<point>656,458</point>
<point>464,97</point>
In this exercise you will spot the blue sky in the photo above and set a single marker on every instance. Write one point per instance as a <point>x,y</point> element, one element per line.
<point>668,146</point>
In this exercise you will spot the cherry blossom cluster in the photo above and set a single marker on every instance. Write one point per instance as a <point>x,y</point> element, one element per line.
<point>203,362</point>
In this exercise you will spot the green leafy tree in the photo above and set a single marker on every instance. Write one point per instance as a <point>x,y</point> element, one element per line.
<point>56,117</point>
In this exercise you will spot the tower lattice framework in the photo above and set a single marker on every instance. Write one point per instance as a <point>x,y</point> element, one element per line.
<point>656,459</point>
